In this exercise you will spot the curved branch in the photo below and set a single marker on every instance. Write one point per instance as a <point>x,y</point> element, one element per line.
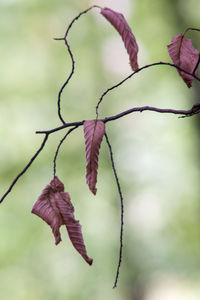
<point>190,28</point>
<point>66,82</point>
<point>139,70</point>
<point>25,169</point>
<point>72,59</point>
<point>78,16</point>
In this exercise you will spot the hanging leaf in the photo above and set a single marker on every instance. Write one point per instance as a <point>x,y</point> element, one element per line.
<point>120,24</point>
<point>94,131</point>
<point>183,55</point>
<point>55,208</point>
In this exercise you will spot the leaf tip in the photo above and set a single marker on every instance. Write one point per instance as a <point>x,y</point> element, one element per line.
<point>94,190</point>
<point>89,261</point>
<point>57,240</point>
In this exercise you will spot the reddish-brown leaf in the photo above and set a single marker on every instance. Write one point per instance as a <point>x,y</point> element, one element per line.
<point>183,55</point>
<point>94,131</point>
<point>55,208</point>
<point>120,24</point>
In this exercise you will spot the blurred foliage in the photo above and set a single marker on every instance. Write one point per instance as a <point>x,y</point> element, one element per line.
<point>157,156</point>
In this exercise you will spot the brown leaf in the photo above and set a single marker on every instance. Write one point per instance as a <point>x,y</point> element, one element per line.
<point>55,208</point>
<point>183,55</point>
<point>120,24</point>
<point>94,131</point>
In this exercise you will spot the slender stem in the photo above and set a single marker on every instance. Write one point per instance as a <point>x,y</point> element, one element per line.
<point>197,64</point>
<point>139,70</point>
<point>190,28</point>
<point>25,169</point>
<point>58,148</point>
<point>189,112</point>
<point>122,210</point>
<point>77,124</point>
<point>78,16</point>
<point>66,82</point>
<point>194,110</point>
<point>72,60</point>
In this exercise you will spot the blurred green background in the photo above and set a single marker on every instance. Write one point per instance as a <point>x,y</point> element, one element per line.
<point>157,156</point>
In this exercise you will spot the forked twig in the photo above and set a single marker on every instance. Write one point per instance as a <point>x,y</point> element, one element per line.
<point>74,125</point>
<point>184,113</point>
<point>139,70</point>
<point>188,113</point>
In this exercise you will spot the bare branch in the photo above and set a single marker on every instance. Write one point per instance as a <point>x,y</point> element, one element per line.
<point>139,70</point>
<point>189,112</point>
<point>77,124</point>
<point>122,210</point>
<point>72,59</point>
<point>78,16</point>
<point>194,71</point>
<point>66,82</point>
<point>190,28</point>
<point>25,169</point>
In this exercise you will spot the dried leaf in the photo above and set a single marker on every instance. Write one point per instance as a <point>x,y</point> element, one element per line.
<point>93,131</point>
<point>183,55</point>
<point>55,208</point>
<point>120,24</point>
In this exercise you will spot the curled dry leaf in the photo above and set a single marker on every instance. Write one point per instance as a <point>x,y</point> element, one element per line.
<point>120,24</point>
<point>94,131</point>
<point>55,208</point>
<point>183,55</point>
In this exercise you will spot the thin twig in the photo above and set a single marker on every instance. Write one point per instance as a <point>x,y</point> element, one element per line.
<point>72,59</point>
<point>194,110</point>
<point>78,16</point>
<point>189,112</point>
<point>77,124</point>
<point>122,210</point>
<point>197,64</point>
<point>139,70</point>
<point>66,82</point>
<point>58,148</point>
<point>25,169</point>
<point>190,28</point>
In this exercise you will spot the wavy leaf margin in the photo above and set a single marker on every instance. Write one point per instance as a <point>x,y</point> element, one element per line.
<point>55,208</point>
<point>183,55</point>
